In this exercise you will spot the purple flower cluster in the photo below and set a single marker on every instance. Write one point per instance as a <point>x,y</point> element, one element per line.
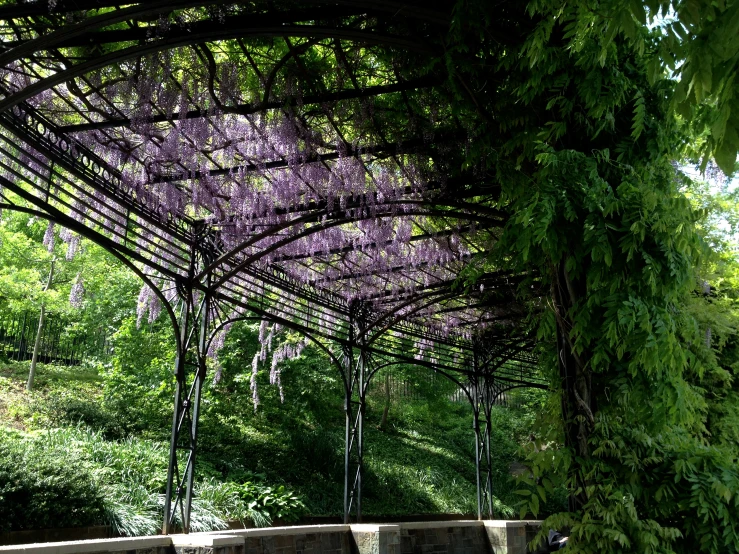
<point>77,293</point>
<point>314,196</point>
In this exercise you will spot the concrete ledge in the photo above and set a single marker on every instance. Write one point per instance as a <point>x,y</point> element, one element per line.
<point>375,527</point>
<point>284,531</point>
<point>413,537</point>
<point>441,524</point>
<point>81,547</point>
<point>206,539</point>
<point>503,523</point>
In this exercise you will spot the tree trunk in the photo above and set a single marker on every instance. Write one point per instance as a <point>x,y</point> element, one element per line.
<point>577,397</point>
<point>39,332</point>
<point>385,411</point>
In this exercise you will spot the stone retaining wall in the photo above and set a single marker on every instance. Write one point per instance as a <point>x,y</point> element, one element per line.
<point>462,537</point>
<point>431,537</point>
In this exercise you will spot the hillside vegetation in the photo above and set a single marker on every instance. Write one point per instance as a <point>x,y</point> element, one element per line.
<point>90,446</point>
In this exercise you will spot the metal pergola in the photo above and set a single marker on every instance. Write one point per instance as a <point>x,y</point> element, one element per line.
<point>290,162</point>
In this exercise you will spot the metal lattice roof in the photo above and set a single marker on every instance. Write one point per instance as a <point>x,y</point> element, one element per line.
<point>305,153</point>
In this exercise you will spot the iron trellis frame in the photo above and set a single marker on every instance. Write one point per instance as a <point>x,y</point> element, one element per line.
<point>359,366</point>
<point>487,383</point>
<point>202,277</point>
<point>197,312</point>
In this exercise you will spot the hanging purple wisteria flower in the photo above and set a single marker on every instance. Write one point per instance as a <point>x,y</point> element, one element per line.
<point>73,245</point>
<point>142,306</point>
<point>77,293</point>
<point>49,237</point>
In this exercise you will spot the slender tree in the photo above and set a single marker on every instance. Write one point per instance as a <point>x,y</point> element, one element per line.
<point>40,329</point>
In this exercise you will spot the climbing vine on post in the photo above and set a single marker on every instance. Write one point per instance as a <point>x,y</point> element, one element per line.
<point>581,113</point>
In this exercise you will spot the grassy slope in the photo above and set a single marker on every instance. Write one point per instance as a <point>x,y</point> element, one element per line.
<point>422,462</point>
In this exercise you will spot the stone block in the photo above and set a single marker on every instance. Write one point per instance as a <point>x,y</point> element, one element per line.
<point>285,541</point>
<point>406,544</point>
<point>497,536</point>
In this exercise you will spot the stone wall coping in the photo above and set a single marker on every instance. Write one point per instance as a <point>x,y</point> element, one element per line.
<point>232,537</point>
<point>499,523</point>
<point>375,527</point>
<point>94,545</point>
<point>284,531</point>
<point>441,524</point>
<point>206,539</point>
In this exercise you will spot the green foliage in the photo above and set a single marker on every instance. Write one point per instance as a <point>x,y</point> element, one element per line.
<point>589,116</point>
<point>693,42</point>
<point>41,490</point>
<point>73,477</point>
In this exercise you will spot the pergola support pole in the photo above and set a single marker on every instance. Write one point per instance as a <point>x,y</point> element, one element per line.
<point>355,372</point>
<point>183,424</point>
<point>482,396</point>
<point>488,400</point>
<point>190,362</point>
<point>183,446</point>
<point>348,489</point>
<point>197,390</point>
<point>362,369</point>
<point>180,387</point>
<point>476,429</point>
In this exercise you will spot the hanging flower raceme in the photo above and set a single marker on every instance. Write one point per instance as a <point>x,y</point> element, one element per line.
<point>49,237</point>
<point>286,351</point>
<point>72,240</point>
<point>215,346</point>
<point>148,304</point>
<point>253,381</point>
<point>77,293</point>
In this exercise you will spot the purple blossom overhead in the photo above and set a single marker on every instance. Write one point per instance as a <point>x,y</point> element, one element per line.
<point>314,194</point>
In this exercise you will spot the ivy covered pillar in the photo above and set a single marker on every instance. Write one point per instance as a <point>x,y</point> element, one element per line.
<point>578,403</point>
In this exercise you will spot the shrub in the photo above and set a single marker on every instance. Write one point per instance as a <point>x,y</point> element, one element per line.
<point>38,489</point>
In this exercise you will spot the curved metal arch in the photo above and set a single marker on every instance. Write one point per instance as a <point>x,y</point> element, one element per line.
<point>225,322</point>
<point>315,217</point>
<point>511,351</point>
<point>312,218</point>
<point>50,40</point>
<point>263,314</point>
<point>211,35</point>
<point>247,109</point>
<point>516,386</point>
<point>93,237</point>
<point>295,328</point>
<point>411,10</point>
<point>435,370</point>
<point>301,330</point>
<point>435,297</point>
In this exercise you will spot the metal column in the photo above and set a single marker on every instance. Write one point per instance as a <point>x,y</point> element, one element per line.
<point>190,371</point>
<point>356,364</point>
<point>482,397</point>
